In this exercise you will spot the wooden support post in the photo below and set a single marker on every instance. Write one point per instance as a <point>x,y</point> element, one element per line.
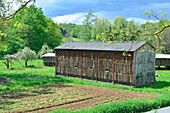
<point>64,64</point>
<point>132,70</point>
<point>113,69</point>
<point>97,66</point>
<point>56,62</point>
<point>68,60</point>
<point>88,64</point>
<point>81,66</point>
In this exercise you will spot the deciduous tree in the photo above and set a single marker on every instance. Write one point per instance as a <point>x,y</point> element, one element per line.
<point>8,60</point>
<point>26,54</point>
<point>45,49</point>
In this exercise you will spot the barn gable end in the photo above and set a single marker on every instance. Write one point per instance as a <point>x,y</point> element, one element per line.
<point>101,61</point>
<point>144,65</point>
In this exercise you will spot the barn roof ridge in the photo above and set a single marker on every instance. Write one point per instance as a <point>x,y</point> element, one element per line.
<point>103,46</point>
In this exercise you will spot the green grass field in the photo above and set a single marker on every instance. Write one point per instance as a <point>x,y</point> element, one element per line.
<point>36,75</point>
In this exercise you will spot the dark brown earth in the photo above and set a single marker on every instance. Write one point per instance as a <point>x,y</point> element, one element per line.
<point>4,80</point>
<point>44,99</point>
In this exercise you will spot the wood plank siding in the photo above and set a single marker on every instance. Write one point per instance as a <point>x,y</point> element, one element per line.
<point>95,65</point>
<point>107,63</point>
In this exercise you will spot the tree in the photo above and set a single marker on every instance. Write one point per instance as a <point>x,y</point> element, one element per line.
<point>147,29</point>
<point>8,60</point>
<point>26,54</point>
<point>7,10</point>
<point>36,29</point>
<point>86,31</point>
<point>163,23</point>
<point>54,36</point>
<point>45,49</point>
<point>29,27</point>
<point>75,31</point>
<point>66,29</point>
<point>123,30</point>
<point>102,29</point>
<point>166,44</point>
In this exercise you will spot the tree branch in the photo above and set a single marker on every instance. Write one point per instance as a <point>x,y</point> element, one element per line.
<point>12,15</point>
<point>157,33</point>
<point>158,19</point>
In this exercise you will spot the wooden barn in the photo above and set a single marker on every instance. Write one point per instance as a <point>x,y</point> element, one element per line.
<point>163,60</point>
<point>130,63</point>
<point>49,59</point>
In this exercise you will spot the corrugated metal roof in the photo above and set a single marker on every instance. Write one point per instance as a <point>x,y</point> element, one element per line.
<point>49,55</point>
<point>165,56</point>
<point>118,46</point>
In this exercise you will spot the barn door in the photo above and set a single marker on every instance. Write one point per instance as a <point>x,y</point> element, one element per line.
<point>122,73</point>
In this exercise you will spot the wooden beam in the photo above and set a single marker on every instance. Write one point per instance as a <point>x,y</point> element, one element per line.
<point>81,66</point>
<point>132,70</point>
<point>113,68</point>
<point>56,62</point>
<point>96,64</point>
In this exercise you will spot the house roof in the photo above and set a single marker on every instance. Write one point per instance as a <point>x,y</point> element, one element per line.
<point>102,46</point>
<point>163,56</point>
<point>48,55</point>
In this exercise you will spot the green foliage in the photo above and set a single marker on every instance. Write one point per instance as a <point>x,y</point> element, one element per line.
<point>60,111</point>
<point>37,29</point>
<point>75,31</point>
<point>103,29</point>
<point>123,30</point>
<point>166,44</point>
<point>129,106</point>
<point>45,49</point>
<point>86,30</point>
<point>162,26</point>
<point>28,28</point>
<point>66,29</point>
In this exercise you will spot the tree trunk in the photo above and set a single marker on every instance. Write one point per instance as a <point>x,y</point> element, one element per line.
<point>7,64</point>
<point>26,64</point>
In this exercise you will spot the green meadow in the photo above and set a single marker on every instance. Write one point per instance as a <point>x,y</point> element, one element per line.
<point>37,75</point>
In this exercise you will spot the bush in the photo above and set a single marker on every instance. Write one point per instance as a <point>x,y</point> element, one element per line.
<point>130,106</point>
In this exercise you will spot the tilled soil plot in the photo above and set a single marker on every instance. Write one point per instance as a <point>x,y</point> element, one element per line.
<point>48,98</point>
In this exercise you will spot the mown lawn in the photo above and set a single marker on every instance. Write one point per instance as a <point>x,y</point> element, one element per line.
<point>36,75</point>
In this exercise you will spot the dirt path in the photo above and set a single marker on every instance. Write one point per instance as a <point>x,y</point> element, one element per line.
<point>44,99</point>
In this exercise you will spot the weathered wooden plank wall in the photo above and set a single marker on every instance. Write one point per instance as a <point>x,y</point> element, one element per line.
<point>49,61</point>
<point>97,65</point>
<point>144,65</point>
<point>162,62</point>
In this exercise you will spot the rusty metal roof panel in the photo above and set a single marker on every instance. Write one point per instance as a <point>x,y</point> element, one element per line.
<point>102,46</point>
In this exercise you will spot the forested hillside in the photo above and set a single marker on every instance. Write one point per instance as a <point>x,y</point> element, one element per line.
<point>120,29</point>
<point>30,28</point>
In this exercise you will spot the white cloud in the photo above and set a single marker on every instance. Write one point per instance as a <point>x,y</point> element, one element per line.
<point>76,18</point>
<point>159,5</point>
<point>140,20</point>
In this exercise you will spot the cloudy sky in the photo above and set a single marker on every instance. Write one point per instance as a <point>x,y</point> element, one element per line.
<point>73,11</point>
